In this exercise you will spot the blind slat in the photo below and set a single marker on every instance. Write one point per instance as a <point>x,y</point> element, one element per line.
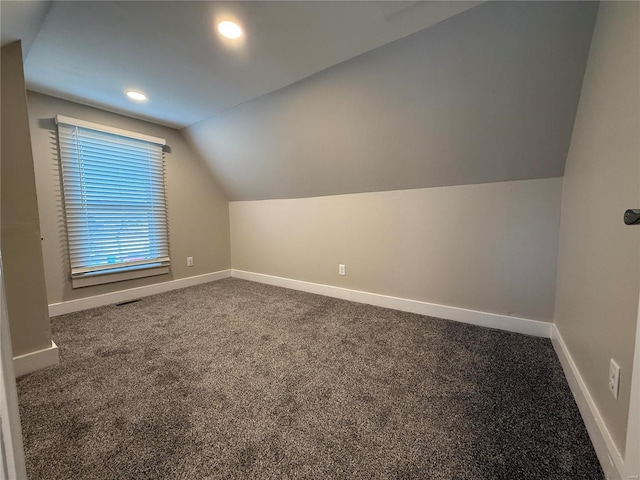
<point>122,172</point>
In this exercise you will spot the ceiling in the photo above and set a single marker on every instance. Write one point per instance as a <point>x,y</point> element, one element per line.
<point>489,95</point>
<point>91,52</point>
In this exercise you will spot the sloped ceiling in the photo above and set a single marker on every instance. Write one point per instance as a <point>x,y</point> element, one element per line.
<point>488,95</point>
<point>91,51</point>
<point>324,98</point>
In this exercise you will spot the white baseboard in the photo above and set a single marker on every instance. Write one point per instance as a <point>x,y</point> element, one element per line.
<point>30,362</point>
<point>606,450</point>
<point>474,317</point>
<point>69,306</point>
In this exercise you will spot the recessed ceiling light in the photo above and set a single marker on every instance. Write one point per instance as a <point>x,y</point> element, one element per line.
<point>135,95</point>
<point>229,29</point>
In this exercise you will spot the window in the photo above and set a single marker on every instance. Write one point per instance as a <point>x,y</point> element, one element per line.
<point>114,199</point>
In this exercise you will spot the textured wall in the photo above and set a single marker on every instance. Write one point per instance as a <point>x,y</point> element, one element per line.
<point>490,247</point>
<point>488,95</point>
<point>598,275</point>
<point>198,212</point>
<point>20,239</point>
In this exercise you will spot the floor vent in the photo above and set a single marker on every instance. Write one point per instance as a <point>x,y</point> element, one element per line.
<point>127,302</point>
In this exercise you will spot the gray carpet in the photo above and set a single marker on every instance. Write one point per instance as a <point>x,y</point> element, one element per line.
<point>234,379</point>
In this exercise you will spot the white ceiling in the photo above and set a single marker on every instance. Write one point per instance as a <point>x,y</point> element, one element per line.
<point>92,51</point>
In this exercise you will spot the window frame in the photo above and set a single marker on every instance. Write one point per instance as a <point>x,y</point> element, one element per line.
<point>87,275</point>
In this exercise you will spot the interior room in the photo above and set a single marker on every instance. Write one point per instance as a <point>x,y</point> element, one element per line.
<point>317,239</point>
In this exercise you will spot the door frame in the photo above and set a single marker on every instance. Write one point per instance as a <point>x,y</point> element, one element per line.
<point>632,449</point>
<point>12,461</point>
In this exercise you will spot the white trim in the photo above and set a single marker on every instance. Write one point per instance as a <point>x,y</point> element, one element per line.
<point>632,452</point>
<point>474,317</point>
<point>606,450</point>
<point>32,361</point>
<point>105,128</point>
<point>69,306</point>
<point>110,277</point>
<point>119,267</point>
<point>12,464</point>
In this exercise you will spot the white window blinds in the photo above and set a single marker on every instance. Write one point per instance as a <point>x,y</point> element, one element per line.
<point>114,198</point>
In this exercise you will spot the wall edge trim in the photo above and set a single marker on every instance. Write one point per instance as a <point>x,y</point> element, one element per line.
<point>77,305</point>
<point>32,361</point>
<point>474,317</point>
<point>606,450</point>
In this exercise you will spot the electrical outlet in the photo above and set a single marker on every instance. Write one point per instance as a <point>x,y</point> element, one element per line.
<point>189,261</point>
<point>614,378</point>
<point>342,269</point>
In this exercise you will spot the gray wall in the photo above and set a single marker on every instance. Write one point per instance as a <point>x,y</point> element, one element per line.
<point>488,95</point>
<point>490,247</point>
<point>20,238</point>
<point>198,211</point>
<point>598,275</point>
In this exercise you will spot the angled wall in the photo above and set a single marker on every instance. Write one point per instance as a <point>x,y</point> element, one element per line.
<point>20,238</point>
<point>428,166</point>
<point>598,265</point>
<point>486,96</point>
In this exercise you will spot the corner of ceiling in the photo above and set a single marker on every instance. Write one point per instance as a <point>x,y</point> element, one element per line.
<point>23,21</point>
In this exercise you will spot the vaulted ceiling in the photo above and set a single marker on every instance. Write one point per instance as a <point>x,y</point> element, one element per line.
<point>322,98</point>
<point>489,95</point>
<point>91,51</point>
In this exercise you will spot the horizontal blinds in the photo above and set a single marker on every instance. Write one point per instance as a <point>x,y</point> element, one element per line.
<point>114,200</point>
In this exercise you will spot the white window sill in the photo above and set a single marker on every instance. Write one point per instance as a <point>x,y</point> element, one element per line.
<point>117,275</point>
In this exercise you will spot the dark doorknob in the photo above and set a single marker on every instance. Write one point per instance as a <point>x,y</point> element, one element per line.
<point>632,217</point>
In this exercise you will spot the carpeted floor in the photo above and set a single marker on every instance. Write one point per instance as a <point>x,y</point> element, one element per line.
<point>234,379</point>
